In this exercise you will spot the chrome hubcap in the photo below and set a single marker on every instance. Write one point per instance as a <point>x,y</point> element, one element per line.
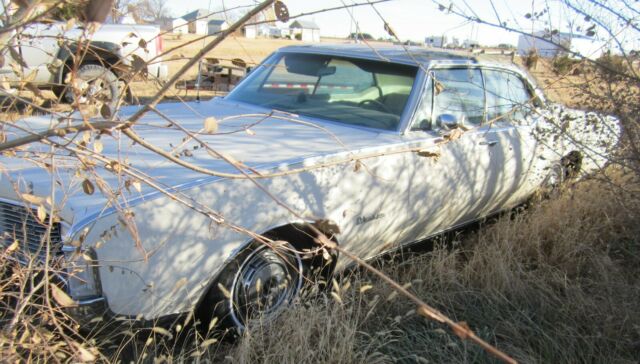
<point>267,281</point>
<point>95,92</point>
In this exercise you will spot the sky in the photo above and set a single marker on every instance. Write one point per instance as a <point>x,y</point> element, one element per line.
<point>410,19</point>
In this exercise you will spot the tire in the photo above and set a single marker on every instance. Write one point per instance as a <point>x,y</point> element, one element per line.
<point>100,87</point>
<point>257,285</point>
<point>560,173</point>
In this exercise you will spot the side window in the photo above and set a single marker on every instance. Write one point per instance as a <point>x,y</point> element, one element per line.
<point>422,117</point>
<point>459,93</point>
<point>508,97</point>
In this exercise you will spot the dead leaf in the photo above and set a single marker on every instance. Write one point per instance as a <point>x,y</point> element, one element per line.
<point>281,10</point>
<point>439,87</point>
<point>88,187</point>
<point>137,186</point>
<point>454,134</point>
<point>13,246</point>
<point>41,213</point>
<point>105,111</point>
<point>239,63</point>
<point>210,125</point>
<point>389,30</point>
<point>61,297</point>
<point>139,65</point>
<point>32,199</point>
<point>97,146</point>
<point>70,24</point>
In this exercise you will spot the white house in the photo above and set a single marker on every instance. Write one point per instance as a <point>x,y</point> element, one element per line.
<point>250,31</point>
<point>276,32</point>
<point>216,26</point>
<point>180,26</point>
<point>305,30</point>
<point>470,43</point>
<point>558,43</point>
<point>436,41</point>
<point>200,21</point>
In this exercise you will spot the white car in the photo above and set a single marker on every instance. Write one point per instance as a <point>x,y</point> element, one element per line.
<point>48,52</point>
<point>374,147</point>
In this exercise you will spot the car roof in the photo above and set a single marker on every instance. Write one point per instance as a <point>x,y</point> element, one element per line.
<point>410,55</point>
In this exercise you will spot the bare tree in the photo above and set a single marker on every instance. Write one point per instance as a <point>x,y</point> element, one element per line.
<point>153,10</point>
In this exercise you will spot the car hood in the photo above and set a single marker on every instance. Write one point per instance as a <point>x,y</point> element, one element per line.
<point>259,139</point>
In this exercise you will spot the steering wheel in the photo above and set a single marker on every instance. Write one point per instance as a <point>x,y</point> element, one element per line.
<point>379,105</point>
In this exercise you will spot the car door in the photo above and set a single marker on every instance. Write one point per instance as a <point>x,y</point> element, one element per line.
<point>509,112</point>
<point>452,179</point>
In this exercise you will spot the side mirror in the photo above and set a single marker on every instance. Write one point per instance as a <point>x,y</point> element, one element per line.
<point>447,121</point>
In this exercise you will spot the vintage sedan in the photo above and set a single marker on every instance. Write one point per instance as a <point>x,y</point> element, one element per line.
<point>375,148</point>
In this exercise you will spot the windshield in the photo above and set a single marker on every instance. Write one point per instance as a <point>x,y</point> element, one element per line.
<point>351,91</point>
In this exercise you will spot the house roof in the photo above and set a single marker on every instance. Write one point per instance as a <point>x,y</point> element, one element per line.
<point>201,15</point>
<point>304,24</point>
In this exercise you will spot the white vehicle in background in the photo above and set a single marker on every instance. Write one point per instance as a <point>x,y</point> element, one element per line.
<point>376,148</point>
<point>44,54</point>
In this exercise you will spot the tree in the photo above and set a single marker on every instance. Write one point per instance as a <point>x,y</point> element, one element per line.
<point>153,11</point>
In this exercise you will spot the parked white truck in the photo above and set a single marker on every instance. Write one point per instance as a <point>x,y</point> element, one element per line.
<point>46,54</point>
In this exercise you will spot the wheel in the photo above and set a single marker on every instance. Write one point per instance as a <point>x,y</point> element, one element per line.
<point>257,285</point>
<point>96,86</point>
<point>552,183</point>
<point>379,105</point>
<point>561,172</point>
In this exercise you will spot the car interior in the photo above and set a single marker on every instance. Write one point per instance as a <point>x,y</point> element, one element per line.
<point>351,91</point>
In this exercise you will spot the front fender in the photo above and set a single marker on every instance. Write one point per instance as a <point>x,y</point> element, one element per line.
<point>106,53</point>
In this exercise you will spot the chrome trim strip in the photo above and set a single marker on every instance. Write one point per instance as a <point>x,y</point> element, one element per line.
<point>90,301</point>
<point>411,106</point>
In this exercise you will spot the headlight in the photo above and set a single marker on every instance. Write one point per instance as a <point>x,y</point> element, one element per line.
<point>81,273</point>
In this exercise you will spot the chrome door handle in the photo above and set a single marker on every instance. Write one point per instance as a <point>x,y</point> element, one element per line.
<point>489,143</point>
